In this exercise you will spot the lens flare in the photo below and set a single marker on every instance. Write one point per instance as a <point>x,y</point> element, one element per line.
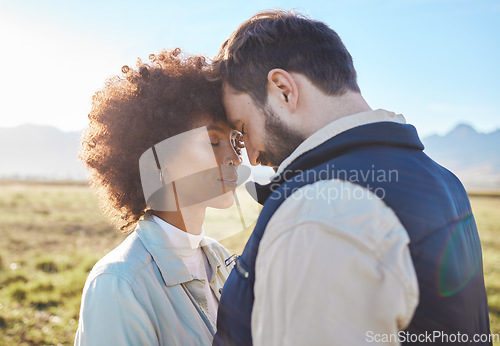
<point>460,261</point>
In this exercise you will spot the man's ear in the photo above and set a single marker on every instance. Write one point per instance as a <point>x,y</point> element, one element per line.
<point>281,84</point>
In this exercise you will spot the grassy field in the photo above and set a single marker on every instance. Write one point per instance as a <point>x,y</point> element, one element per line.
<point>51,236</point>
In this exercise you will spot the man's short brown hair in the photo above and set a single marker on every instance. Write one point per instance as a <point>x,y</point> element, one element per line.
<point>286,40</point>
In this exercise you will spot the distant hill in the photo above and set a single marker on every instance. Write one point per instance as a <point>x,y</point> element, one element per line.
<point>39,152</point>
<point>474,157</point>
<point>45,152</point>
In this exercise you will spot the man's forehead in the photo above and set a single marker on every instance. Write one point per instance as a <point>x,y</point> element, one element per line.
<point>228,89</point>
<point>233,102</point>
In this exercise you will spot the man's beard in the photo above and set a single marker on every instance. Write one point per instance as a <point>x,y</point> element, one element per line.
<point>280,141</point>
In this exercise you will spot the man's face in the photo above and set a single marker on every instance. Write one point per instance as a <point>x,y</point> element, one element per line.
<point>267,140</point>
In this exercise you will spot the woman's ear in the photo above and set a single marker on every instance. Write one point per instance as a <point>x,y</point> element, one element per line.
<point>282,85</point>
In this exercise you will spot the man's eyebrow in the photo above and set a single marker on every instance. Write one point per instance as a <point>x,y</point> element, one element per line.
<point>234,125</point>
<point>216,128</point>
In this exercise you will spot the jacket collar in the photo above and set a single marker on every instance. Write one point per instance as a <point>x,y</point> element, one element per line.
<point>339,126</point>
<point>172,268</point>
<point>206,245</point>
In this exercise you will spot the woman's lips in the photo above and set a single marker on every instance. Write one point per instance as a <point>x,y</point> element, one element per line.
<point>228,177</point>
<point>228,183</point>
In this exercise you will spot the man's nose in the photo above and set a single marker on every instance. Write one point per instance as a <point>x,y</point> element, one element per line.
<point>252,153</point>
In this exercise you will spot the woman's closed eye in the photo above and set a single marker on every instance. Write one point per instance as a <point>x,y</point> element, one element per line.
<point>214,140</point>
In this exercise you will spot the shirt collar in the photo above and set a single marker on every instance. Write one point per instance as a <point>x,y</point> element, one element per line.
<point>338,126</point>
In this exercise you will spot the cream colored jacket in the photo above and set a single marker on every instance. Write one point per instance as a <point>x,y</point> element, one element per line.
<point>141,293</point>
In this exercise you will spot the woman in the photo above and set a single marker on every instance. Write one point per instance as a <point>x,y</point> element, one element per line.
<point>159,152</point>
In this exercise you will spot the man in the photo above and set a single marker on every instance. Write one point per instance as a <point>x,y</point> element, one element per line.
<point>362,237</point>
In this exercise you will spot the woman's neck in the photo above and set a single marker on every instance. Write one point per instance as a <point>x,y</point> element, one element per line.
<point>189,219</point>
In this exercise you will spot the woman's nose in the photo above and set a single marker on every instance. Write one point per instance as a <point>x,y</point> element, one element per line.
<point>232,158</point>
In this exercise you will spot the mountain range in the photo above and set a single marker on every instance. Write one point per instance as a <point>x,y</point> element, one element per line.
<point>473,156</point>
<point>47,153</point>
<point>39,152</point>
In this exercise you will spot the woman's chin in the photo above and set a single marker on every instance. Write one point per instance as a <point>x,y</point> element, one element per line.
<point>223,201</point>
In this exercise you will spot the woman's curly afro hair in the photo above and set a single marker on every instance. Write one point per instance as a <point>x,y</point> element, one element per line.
<point>146,105</point>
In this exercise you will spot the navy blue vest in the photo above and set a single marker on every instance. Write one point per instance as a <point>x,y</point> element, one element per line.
<point>430,202</point>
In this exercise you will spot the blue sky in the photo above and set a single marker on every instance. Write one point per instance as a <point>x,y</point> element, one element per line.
<point>435,61</point>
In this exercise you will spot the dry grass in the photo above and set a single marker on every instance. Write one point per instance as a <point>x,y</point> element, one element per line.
<point>486,211</point>
<point>52,234</point>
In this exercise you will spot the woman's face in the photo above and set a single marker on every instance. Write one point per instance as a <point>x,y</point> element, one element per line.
<point>202,165</point>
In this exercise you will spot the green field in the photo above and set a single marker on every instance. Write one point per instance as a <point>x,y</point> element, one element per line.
<point>51,236</point>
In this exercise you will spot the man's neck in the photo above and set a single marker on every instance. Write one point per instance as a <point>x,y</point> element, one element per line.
<point>330,108</point>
